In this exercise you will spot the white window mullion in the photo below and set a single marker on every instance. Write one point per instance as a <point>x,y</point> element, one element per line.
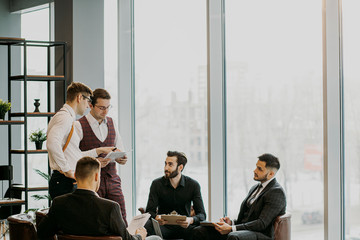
<point>126,100</point>
<point>216,110</point>
<point>333,122</point>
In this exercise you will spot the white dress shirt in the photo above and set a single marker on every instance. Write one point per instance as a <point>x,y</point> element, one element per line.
<point>264,184</point>
<point>100,130</point>
<point>57,133</point>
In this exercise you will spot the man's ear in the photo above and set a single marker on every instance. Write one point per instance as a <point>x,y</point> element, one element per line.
<point>271,173</point>
<point>97,176</point>
<point>181,167</point>
<point>78,98</point>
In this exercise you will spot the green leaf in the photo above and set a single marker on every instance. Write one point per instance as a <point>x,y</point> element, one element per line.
<point>40,197</point>
<point>42,174</point>
<point>38,135</point>
<point>31,210</point>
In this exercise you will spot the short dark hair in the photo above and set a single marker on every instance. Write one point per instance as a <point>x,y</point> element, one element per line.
<point>180,157</point>
<point>75,88</point>
<point>270,161</point>
<point>99,93</point>
<point>85,167</point>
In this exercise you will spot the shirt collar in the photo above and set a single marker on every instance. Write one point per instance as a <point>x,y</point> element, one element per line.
<point>83,191</point>
<point>264,184</point>
<point>181,183</point>
<point>70,110</point>
<point>92,120</point>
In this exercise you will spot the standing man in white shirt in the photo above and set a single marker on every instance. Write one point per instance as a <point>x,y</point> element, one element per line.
<point>63,142</point>
<point>97,130</point>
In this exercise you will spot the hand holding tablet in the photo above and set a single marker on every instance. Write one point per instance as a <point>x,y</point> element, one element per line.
<point>116,155</point>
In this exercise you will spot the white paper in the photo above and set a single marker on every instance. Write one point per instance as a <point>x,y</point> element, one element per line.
<point>115,155</point>
<point>138,222</point>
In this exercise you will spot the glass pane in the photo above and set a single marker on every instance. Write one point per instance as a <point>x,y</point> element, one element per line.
<point>35,25</point>
<point>274,103</point>
<point>351,36</point>
<point>170,84</point>
<point>110,55</point>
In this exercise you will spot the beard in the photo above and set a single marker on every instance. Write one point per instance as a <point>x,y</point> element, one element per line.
<point>172,174</point>
<point>263,179</point>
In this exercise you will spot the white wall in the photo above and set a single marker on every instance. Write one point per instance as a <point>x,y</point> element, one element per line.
<point>88,42</point>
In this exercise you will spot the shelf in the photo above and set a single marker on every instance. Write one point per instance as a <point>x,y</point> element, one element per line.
<point>30,43</point>
<point>30,188</point>
<point>11,201</point>
<point>28,151</point>
<point>33,114</point>
<point>44,78</point>
<point>11,122</point>
<point>22,116</point>
<point>10,41</point>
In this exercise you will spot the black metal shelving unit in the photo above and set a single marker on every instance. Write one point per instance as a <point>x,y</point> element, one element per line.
<point>25,115</point>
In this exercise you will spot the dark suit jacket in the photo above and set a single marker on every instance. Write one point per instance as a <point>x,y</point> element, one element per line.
<point>84,213</point>
<point>260,216</point>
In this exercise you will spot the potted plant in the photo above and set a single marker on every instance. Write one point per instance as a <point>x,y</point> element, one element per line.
<point>38,136</point>
<point>4,107</point>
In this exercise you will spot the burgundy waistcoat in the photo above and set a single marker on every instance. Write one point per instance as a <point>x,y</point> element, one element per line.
<point>90,141</point>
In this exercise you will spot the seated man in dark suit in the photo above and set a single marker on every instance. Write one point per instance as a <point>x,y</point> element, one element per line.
<point>83,212</point>
<point>264,202</point>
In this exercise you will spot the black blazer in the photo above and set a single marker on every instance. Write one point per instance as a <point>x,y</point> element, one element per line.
<point>84,213</point>
<point>260,217</point>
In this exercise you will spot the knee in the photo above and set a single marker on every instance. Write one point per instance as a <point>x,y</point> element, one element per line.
<point>199,233</point>
<point>232,236</point>
<point>149,227</point>
<point>153,238</point>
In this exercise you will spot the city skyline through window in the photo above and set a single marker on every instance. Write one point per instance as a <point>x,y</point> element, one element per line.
<point>170,90</point>
<point>274,104</point>
<point>351,51</point>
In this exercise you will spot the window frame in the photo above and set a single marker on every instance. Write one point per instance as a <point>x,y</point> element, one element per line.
<point>332,110</point>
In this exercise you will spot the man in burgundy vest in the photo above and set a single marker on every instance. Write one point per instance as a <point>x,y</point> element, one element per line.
<point>97,130</point>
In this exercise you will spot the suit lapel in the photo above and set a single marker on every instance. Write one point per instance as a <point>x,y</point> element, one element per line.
<point>252,190</point>
<point>269,186</point>
<point>243,204</point>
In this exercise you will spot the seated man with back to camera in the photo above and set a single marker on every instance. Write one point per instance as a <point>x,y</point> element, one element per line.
<point>175,192</point>
<point>264,202</point>
<point>83,212</point>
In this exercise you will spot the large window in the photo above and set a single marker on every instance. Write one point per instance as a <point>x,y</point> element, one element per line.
<point>170,89</point>
<point>351,51</point>
<point>274,103</point>
<point>35,25</point>
<point>110,55</point>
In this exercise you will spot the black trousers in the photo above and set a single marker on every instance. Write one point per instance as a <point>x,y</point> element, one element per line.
<point>210,233</point>
<point>60,185</point>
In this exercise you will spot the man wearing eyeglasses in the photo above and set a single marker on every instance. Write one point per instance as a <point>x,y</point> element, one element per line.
<point>96,129</point>
<point>63,143</point>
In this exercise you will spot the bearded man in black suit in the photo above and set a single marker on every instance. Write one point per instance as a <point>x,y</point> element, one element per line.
<point>264,202</point>
<point>83,212</point>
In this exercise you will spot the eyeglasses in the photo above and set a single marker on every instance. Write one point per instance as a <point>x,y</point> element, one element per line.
<point>102,108</point>
<point>87,98</point>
